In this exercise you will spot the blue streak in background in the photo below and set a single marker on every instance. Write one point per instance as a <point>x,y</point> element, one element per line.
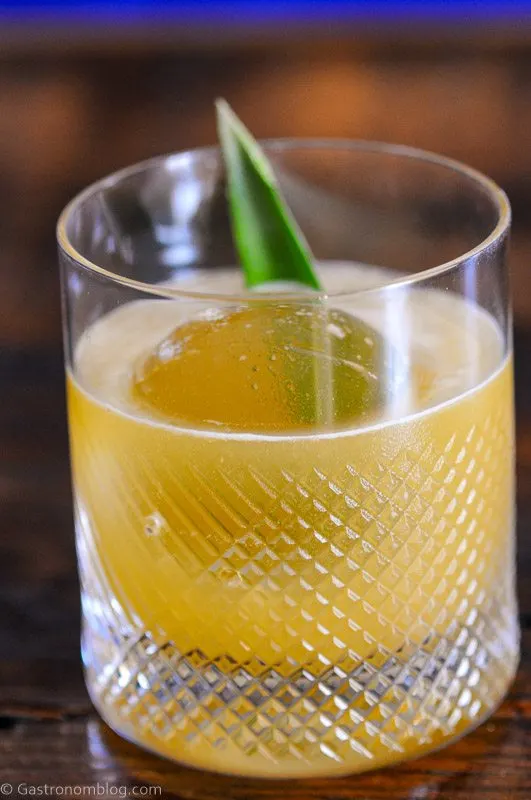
<point>256,10</point>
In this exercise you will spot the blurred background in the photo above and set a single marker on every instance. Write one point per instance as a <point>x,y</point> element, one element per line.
<point>86,88</point>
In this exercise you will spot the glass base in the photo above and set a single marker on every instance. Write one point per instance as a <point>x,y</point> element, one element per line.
<point>271,721</point>
<point>341,771</point>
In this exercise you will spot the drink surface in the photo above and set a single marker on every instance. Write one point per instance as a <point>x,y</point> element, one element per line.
<point>281,601</point>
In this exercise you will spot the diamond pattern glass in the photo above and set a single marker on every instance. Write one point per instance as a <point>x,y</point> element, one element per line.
<point>337,615</point>
<point>281,575</point>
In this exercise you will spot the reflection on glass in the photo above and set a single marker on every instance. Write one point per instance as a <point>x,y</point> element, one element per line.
<point>295,519</point>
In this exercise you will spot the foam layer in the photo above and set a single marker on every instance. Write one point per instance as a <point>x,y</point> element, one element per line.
<point>457,342</point>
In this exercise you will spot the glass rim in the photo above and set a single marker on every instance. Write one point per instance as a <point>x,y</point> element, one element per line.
<point>496,194</point>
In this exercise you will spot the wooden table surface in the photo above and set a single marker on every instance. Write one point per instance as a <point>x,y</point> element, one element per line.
<point>49,734</point>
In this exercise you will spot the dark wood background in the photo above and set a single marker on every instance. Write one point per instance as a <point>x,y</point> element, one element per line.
<point>68,115</point>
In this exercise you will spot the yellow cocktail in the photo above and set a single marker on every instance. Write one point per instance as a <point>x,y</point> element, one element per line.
<point>263,598</point>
